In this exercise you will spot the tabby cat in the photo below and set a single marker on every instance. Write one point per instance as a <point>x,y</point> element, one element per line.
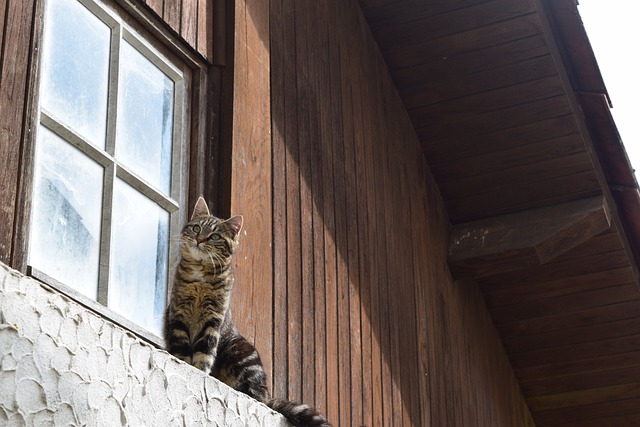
<point>197,324</point>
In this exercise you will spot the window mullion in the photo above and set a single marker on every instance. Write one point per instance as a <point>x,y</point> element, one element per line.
<point>110,171</point>
<point>114,73</point>
<point>105,245</point>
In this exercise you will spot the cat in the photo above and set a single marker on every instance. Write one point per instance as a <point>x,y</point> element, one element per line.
<point>198,327</point>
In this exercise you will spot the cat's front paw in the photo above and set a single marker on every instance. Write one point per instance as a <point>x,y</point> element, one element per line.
<point>202,361</point>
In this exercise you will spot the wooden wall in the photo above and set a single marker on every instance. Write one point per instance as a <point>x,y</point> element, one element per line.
<point>16,32</point>
<point>191,19</point>
<point>342,274</point>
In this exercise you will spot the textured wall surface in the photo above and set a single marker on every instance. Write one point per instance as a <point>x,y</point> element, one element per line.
<point>61,364</point>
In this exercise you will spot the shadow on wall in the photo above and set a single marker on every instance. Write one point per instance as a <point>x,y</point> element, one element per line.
<point>351,194</point>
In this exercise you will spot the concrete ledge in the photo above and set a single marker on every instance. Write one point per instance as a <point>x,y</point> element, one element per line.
<point>62,364</point>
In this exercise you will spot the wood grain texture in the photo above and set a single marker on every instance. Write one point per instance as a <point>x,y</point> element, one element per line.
<point>397,342</point>
<point>525,238</point>
<point>191,19</point>
<point>251,190</point>
<point>342,271</point>
<point>17,20</point>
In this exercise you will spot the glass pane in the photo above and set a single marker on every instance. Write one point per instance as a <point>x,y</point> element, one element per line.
<point>139,251</point>
<point>145,118</point>
<point>75,68</point>
<point>67,203</point>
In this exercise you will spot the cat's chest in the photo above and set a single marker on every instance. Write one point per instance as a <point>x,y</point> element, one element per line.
<point>197,296</point>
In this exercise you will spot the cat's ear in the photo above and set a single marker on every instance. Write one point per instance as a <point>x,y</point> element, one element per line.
<point>235,225</point>
<point>201,209</point>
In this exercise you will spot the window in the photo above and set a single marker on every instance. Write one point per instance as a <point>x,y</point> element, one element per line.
<point>110,160</point>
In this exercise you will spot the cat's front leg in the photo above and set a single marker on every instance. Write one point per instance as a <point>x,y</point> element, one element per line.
<point>177,340</point>
<point>205,345</point>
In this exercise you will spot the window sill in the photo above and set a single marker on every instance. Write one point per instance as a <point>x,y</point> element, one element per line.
<point>96,307</point>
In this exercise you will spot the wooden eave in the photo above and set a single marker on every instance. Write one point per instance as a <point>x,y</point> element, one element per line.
<point>513,116</point>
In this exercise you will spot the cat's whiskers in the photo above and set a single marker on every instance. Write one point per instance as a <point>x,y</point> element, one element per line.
<point>220,260</point>
<point>213,264</point>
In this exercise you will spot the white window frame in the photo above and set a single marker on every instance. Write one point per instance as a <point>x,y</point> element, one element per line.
<point>179,69</point>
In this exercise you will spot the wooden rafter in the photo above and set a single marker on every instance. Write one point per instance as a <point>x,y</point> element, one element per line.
<point>514,241</point>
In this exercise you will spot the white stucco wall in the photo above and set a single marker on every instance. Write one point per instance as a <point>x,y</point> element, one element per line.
<point>61,364</point>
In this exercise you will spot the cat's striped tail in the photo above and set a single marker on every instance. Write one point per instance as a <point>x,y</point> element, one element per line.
<point>299,414</point>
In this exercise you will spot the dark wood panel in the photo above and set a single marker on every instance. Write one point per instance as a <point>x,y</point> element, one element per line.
<point>574,353</point>
<point>602,253</point>
<point>373,116</point>
<point>583,397</point>
<point>306,205</point>
<point>157,6</point>
<point>516,156</point>
<point>612,421</point>
<point>348,46</point>
<point>589,412</point>
<point>293,204</point>
<point>401,57</point>
<point>601,365</point>
<point>454,87</point>
<point>461,109</point>
<point>189,22</point>
<point>554,288</point>
<point>470,61</point>
<point>581,381</point>
<point>15,68</point>
<point>366,227</point>
<point>521,196</point>
<point>592,316</point>
<point>211,16</point>
<point>580,334</point>
<point>341,194</point>
<point>540,172</point>
<point>191,19</point>
<point>3,24</point>
<point>572,302</point>
<point>480,124</point>
<point>453,147</point>
<point>384,13</point>
<point>451,22</point>
<point>279,201</point>
<point>478,92</point>
<point>380,250</point>
<point>332,126</point>
<point>251,191</point>
<point>316,28</point>
<point>347,222</point>
<point>171,14</point>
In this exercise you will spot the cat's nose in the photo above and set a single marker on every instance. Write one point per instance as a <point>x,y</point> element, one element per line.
<point>200,239</point>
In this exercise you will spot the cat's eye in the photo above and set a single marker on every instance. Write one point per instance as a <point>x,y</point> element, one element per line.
<point>215,236</point>
<point>196,228</point>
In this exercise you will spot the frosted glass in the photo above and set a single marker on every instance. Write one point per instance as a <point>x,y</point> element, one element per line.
<point>145,118</point>
<point>75,68</point>
<point>139,252</point>
<point>67,203</point>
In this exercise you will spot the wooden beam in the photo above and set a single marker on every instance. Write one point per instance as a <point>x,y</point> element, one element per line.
<point>510,242</point>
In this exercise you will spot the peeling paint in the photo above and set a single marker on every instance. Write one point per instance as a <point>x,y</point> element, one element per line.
<point>61,364</point>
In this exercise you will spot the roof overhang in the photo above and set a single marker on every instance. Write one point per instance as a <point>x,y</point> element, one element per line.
<point>508,102</point>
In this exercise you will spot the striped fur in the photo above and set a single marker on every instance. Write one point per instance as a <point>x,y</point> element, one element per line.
<point>198,327</point>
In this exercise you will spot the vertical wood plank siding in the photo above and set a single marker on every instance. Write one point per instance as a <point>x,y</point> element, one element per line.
<point>16,41</point>
<point>342,276</point>
<point>251,176</point>
<point>366,323</point>
<point>191,19</point>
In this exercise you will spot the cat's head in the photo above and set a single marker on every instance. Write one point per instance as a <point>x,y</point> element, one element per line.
<point>208,237</point>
